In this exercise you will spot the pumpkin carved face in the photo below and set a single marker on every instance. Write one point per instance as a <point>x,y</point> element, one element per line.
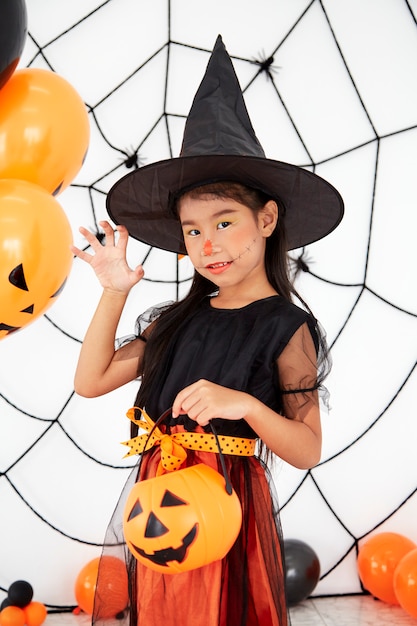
<point>181,520</point>
<point>35,256</point>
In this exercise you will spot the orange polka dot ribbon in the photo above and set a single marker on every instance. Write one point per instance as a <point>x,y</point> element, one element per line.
<point>173,447</point>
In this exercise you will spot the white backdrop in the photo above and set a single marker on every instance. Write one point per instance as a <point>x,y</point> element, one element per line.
<point>340,96</point>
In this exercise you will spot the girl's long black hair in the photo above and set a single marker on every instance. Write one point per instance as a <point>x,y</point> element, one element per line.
<point>277,265</point>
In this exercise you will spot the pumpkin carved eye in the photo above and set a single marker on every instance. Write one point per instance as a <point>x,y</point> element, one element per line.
<point>17,278</point>
<point>154,526</point>
<point>137,510</point>
<point>171,499</point>
<point>168,499</point>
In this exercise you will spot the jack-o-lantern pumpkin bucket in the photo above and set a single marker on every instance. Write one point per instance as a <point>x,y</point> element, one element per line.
<point>181,520</point>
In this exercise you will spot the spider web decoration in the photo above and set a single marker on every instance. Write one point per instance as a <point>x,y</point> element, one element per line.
<point>329,86</point>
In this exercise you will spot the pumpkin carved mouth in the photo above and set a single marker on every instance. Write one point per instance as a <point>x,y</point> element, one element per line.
<point>7,328</point>
<point>165,556</point>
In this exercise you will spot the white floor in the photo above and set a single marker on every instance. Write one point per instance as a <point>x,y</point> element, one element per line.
<point>340,611</point>
<point>349,611</point>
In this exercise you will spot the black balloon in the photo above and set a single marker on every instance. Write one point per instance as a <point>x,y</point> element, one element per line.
<point>302,570</point>
<point>6,602</point>
<point>20,593</point>
<point>13,30</point>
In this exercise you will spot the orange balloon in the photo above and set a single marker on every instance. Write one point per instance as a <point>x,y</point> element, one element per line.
<point>35,614</point>
<point>112,595</point>
<point>377,561</point>
<point>35,255</point>
<point>44,129</point>
<point>12,616</point>
<point>405,583</point>
<point>85,586</point>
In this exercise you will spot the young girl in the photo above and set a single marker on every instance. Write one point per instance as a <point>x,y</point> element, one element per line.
<point>235,351</point>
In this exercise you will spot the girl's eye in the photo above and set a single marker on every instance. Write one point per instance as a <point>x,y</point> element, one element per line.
<point>193,232</point>
<point>222,225</point>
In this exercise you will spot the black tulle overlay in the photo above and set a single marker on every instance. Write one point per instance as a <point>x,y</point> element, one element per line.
<point>240,349</point>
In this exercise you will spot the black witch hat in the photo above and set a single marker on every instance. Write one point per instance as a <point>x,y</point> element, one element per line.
<point>219,144</point>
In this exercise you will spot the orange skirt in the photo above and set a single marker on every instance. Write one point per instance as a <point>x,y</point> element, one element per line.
<point>245,588</point>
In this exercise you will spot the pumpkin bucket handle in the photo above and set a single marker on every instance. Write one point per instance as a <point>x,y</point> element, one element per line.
<point>229,488</point>
<point>164,415</point>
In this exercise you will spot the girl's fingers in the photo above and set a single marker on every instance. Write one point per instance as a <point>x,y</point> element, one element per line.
<point>108,231</point>
<point>139,271</point>
<point>186,399</point>
<point>109,235</point>
<point>176,407</point>
<point>105,226</point>
<point>203,401</point>
<point>81,254</point>
<point>92,239</point>
<point>123,236</point>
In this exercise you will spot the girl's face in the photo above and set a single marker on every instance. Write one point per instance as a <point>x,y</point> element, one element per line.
<point>226,240</point>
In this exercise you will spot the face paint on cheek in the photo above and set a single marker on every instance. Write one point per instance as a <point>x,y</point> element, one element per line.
<point>246,249</point>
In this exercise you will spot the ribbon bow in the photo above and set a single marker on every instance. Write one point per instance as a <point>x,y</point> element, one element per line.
<point>173,453</point>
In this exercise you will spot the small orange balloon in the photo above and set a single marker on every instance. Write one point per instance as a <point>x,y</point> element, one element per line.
<point>85,586</point>
<point>377,560</point>
<point>35,255</point>
<point>44,129</point>
<point>12,616</point>
<point>35,614</point>
<point>405,583</point>
<point>112,589</point>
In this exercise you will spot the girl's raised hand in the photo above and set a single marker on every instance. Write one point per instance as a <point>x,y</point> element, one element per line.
<point>109,261</point>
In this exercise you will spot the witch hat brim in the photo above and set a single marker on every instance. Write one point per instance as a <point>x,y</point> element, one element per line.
<point>220,144</point>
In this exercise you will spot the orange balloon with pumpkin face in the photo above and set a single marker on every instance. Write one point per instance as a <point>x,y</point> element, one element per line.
<point>181,520</point>
<point>44,129</point>
<point>35,256</point>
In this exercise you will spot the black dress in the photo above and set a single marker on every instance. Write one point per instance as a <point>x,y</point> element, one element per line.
<point>236,348</point>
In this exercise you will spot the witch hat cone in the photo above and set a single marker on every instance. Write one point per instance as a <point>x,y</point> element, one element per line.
<point>219,143</point>
<point>218,121</point>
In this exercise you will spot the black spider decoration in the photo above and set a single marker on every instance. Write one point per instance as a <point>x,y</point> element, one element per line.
<point>266,65</point>
<point>101,237</point>
<point>132,160</point>
<point>300,264</point>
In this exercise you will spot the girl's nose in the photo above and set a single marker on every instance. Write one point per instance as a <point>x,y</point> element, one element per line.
<point>208,247</point>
